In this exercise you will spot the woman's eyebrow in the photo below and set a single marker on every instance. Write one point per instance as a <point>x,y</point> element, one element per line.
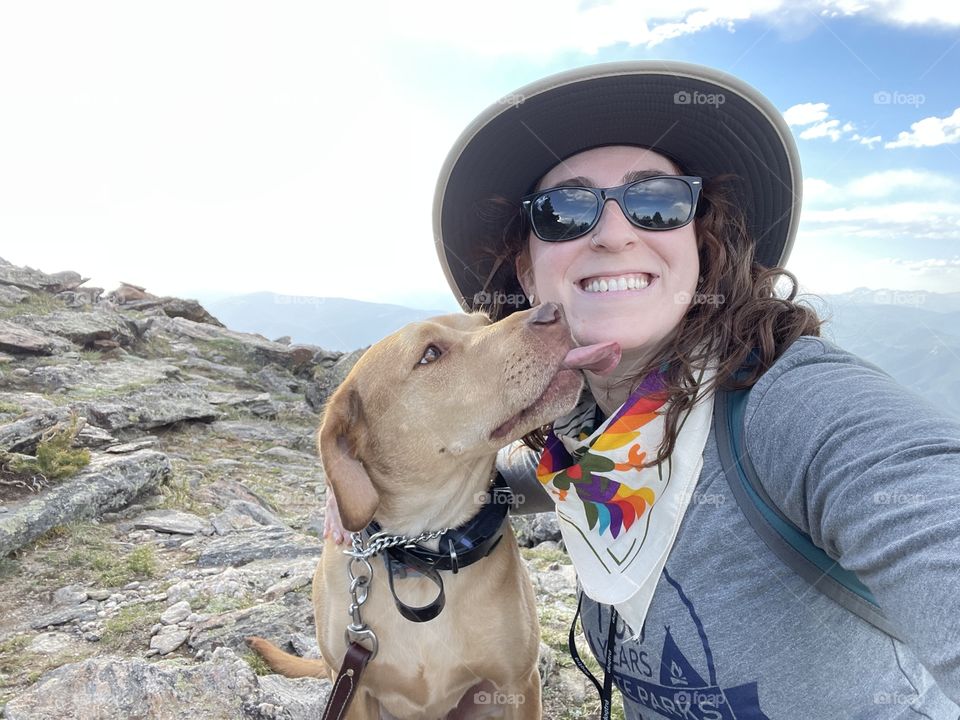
<point>632,176</point>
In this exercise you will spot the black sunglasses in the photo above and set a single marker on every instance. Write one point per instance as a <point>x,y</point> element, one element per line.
<point>662,202</point>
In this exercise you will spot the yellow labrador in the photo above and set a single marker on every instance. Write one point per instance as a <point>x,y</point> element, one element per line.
<point>410,439</point>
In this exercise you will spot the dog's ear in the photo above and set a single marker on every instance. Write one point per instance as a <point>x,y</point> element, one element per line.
<point>340,440</point>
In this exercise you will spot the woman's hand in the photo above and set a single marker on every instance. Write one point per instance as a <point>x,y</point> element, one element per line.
<point>332,527</point>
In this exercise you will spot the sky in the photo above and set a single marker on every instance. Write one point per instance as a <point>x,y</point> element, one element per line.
<point>205,149</point>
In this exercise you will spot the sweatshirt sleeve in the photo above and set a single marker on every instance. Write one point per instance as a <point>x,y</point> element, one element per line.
<point>871,471</point>
<point>518,465</point>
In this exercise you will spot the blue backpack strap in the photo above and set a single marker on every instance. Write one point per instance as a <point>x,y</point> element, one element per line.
<point>793,546</point>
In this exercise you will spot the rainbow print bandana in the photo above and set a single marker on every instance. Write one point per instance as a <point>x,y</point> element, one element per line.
<point>619,521</point>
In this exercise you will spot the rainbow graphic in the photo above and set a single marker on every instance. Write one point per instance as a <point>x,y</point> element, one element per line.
<point>608,504</point>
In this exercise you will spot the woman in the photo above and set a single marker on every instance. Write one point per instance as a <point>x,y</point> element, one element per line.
<point>658,202</point>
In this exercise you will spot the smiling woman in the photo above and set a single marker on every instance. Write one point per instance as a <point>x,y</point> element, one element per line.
<point>657,203</point>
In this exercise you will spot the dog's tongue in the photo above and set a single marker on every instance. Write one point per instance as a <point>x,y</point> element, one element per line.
<point>600,358</point>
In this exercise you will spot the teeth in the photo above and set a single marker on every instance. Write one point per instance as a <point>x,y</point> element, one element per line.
<point>627,282</point>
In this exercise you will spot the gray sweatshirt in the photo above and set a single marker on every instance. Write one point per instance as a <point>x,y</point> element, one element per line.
<point>872,472</point>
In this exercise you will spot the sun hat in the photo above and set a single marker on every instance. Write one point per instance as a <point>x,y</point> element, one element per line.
<point>707,121</point>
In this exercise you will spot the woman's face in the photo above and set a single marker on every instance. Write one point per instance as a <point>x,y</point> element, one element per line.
<point>638,319</point>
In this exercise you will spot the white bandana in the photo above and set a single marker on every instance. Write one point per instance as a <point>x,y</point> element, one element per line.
<point>619,523</point>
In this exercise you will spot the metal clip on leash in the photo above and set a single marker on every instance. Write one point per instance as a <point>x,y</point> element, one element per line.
<point>357,630</point>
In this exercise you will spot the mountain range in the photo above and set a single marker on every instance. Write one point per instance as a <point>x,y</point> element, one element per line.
<point>913,336</point>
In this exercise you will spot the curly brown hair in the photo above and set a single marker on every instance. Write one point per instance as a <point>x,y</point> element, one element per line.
<point>742,313</point>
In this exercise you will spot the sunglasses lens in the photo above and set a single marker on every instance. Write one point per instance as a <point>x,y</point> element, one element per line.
<point>563,214</point>
<point>660,203</point>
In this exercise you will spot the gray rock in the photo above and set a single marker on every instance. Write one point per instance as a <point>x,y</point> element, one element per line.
<point>261,404</point>
<point>242,547</point>
<point>175,613</point>
<point>22,435</point>
<point>172,521</point>
<point>218,369</point>
<point>297,699</point>
<point>84,328</point>
<point>70,595</point>
<point>133,446</point>
<point>243,515</point>
<point>51,643</point>
<point>63,615</point>
<point>224,688</point>
<point>534,529</point>
<point>254,430</point>
<point>107,484</point>
<point>220,493</point>
<point>152,407</point>
<point>10,295</point>
<point>169,639</point>
<point>305,645</point>
<point>26,277</point>
<point>276,379</point>
<point>287,454</point>
<point>255,348</point>
<point>19,340</point>
<point>277,621</point>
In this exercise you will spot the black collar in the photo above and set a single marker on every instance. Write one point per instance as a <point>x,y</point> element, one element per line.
<point>457,548</point>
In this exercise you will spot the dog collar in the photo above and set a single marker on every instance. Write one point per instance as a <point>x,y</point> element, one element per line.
<point>457,548</point>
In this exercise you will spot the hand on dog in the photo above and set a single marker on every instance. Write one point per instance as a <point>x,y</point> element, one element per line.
<point>332,527</point>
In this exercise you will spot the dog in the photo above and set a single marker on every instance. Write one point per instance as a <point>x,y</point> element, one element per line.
<point>409,439</point>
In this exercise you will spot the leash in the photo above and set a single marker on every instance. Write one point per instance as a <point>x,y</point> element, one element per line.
<point>357,632</point>
<point>606,689</point>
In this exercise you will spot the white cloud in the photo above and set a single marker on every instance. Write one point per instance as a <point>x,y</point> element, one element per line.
<point>930,132</point>
<point>828,128</point>
<point>821,125</point>
<point>806,113</point>
<point>816,189</point>
<point>888,182</point>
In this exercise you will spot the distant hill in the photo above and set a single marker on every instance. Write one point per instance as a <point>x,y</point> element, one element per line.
<point>914,336</point>
<point>331,323</point>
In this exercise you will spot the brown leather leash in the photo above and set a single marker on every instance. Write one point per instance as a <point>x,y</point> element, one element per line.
<point>347,682</point>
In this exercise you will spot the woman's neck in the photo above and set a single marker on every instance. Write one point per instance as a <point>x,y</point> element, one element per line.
<point>612,390</point>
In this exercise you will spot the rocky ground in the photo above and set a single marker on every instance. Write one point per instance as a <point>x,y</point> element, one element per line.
<point>187,516</point>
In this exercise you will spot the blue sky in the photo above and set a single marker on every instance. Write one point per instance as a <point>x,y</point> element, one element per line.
<point>219,148</point>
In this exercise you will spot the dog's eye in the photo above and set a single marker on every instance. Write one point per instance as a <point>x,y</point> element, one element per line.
<point>429,355</point>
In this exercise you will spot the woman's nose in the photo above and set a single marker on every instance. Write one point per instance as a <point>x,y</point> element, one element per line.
<point>612,231</point>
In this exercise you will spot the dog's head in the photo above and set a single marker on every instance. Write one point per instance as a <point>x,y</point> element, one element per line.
<point>436,400</point>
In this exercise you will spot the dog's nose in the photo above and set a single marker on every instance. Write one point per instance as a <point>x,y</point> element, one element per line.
<point>546,314</point>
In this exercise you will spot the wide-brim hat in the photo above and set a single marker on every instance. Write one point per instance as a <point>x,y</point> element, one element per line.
<point>707,121</point>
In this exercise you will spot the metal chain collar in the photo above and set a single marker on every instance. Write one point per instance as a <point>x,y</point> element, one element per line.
<point>361,573</point>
